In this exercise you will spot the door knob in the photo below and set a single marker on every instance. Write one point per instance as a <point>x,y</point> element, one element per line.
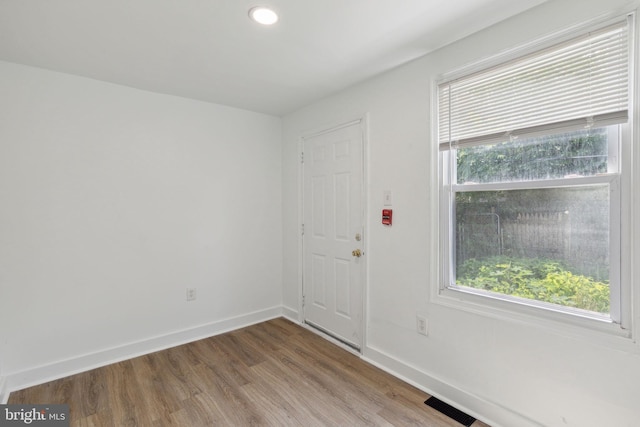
<point>356,253</point>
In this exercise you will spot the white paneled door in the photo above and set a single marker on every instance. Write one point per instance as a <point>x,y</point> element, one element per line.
<point>333,239</point>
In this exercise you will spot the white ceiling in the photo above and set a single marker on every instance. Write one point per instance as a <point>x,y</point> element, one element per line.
<point>210,50</point>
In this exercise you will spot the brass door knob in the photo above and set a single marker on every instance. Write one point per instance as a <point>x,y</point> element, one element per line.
<point>356,253</point>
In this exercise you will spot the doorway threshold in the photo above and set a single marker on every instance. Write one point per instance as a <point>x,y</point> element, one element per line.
<point>334,338</point>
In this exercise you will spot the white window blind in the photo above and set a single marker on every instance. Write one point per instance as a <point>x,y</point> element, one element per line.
<point>580,83</point>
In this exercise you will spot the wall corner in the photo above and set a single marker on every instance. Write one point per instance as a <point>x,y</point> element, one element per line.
<point>4,392</point>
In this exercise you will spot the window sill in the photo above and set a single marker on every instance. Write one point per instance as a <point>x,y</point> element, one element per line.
<point>594,329</point>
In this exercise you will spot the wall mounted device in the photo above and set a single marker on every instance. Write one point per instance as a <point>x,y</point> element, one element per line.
<point>387,216</point>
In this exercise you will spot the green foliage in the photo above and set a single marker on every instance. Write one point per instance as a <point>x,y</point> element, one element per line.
<point>537,279</point>
<point>554,156</point>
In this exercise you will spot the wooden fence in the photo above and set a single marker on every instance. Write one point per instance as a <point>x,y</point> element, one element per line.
<point>539,235</point>
<point>552,235</point>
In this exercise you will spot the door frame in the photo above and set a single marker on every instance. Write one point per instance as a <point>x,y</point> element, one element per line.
<point>363,120</point>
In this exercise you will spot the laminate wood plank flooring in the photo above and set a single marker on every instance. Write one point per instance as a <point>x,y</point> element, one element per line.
<point>274,373</point>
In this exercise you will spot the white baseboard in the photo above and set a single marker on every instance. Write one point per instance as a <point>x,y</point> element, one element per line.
<point>64,368</point>
<point>291,314</point>
<point>4,394</point>
<point>481,408</point>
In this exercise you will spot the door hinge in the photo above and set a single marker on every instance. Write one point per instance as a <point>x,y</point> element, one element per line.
<point>302,157</point>
<point>303,300</point>
<point>302,229</point>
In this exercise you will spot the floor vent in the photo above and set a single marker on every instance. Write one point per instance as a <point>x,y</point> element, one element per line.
<point>450,411</point>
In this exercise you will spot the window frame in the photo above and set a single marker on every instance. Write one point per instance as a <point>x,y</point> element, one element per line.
<point>618,324</point>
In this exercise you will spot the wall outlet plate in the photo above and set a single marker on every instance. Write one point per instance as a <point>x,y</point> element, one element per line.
<point>191,294</point>
<point>422,325</point>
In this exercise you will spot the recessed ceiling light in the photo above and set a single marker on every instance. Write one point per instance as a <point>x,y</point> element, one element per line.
<point>263,15</point>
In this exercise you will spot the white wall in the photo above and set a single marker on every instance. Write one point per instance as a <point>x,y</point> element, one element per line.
<point>3,391</point>
<point>511,373</point>
<point>112,202</point>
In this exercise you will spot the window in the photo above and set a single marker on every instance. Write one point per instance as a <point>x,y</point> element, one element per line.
<point>530,190</point>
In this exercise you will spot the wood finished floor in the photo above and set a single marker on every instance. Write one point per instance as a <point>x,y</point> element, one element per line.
<point>274,373</point>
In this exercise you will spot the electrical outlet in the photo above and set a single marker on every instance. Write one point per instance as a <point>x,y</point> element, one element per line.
<point>422,325</point>
<point>191,294</point>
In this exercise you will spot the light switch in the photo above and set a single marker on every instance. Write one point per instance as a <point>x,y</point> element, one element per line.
<point>386,197</point>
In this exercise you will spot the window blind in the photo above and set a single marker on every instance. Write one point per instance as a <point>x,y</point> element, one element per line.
<point>579,83</point>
